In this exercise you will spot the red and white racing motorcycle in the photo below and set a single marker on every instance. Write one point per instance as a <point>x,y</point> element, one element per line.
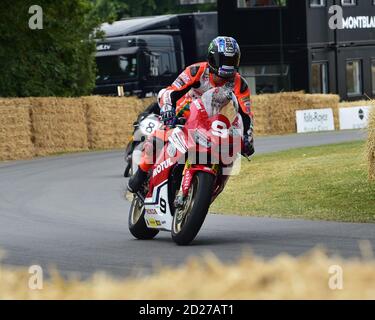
<point>190,171</point>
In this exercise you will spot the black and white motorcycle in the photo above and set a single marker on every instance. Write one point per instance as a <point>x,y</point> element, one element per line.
<point>145,126</point>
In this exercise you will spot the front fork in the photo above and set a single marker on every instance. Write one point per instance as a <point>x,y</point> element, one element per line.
<point>187,178</point>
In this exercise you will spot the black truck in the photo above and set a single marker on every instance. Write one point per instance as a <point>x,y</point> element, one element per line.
<point>140,56</point>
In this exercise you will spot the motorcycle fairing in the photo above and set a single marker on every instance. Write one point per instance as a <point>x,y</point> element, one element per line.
<point>157,210</point>
<point>216,129</point>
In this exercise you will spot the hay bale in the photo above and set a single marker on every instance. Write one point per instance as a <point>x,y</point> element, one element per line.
<point>276,113</point>
<point>15,130</point>
<point>110,120</point>
<point>283,277</point>
<point>371,145</point>
<point>371,132</point>
<point>59,125</point>
<point>147,101</point>
<point>361,103</point>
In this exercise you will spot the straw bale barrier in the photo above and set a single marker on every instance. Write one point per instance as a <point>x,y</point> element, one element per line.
<point>43,126</point>
<point>361,103</point>
<point>276,113</point>
<point>371,132</point>
<point>110,120</point>
<point>313,276</point>
<point>59,125</point>
<point>15,130</point>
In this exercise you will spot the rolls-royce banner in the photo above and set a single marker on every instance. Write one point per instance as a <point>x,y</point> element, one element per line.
<point>315,120</point>
<point>354,117</point>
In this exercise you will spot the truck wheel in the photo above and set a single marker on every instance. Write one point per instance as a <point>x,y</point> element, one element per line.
<point>188,220</point>
<point>137,223</point>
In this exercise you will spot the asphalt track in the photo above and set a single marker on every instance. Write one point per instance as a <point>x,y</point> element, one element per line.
<point>69,212</point>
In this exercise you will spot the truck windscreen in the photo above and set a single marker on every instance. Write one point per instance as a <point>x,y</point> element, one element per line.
<point>116,67</point>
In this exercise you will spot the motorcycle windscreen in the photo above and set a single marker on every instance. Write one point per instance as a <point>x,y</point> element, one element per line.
<point>221,100</point>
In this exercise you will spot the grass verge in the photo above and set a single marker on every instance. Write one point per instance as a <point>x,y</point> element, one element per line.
<point>326,183</point>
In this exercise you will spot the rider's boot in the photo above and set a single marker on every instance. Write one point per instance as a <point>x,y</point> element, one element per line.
<point>151,148</point>
<point>136,181</point>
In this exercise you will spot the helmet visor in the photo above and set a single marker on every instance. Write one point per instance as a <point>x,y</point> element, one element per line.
<point>226,66</point>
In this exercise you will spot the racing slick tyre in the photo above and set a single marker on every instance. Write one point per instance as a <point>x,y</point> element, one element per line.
<point>188,219</point>
<point>137,223</point>
<point>127,173</point>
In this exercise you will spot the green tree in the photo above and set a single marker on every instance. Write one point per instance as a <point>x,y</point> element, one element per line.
<point>110,10</point>
<point>55,61</point>
<point>173,6</point>
<point>58,60</point>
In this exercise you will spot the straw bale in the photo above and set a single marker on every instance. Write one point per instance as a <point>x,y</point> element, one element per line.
<point>371,145</point>
<point>276,113</point>
<point>15,130</point>
<point>312,276</point>
<point>110,120</point>
<point>59,125</point>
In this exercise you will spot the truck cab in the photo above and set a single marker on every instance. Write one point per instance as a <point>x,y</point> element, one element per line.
<point>140,56</point>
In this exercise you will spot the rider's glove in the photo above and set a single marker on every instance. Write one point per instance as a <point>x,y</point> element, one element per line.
<point>168,114</point>
<point>248,145</point>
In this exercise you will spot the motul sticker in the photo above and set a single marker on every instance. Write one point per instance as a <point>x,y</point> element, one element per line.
<point>164,165</point>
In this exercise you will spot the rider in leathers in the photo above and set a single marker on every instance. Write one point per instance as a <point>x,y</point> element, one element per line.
<point>221,69</point>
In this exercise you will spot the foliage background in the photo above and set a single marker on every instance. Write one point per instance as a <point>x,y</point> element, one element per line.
<point>59,60</point>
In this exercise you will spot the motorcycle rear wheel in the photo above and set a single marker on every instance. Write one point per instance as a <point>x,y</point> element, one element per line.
<point>136,222</point>
<point>188,220</point>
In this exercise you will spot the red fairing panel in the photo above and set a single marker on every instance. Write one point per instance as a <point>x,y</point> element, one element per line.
<point>189,175</point>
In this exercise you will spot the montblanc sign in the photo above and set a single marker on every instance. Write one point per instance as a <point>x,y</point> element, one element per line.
<point>338,21</point>
<point>361,22</point>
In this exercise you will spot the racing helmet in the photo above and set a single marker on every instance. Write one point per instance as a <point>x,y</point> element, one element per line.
<point>224,56</point>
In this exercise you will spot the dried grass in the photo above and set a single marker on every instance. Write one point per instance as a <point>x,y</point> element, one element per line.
<point>59,125</point>
<point>371,145</point>
<point>110,120</point>
<point>361,103</point>
<point>370,152</point>
<point>284,277</point>
<point>15,130</point>
<point>79,124</point>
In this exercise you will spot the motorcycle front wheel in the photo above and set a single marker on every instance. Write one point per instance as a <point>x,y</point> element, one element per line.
<point>137,223</point>
<point>188,220</point>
